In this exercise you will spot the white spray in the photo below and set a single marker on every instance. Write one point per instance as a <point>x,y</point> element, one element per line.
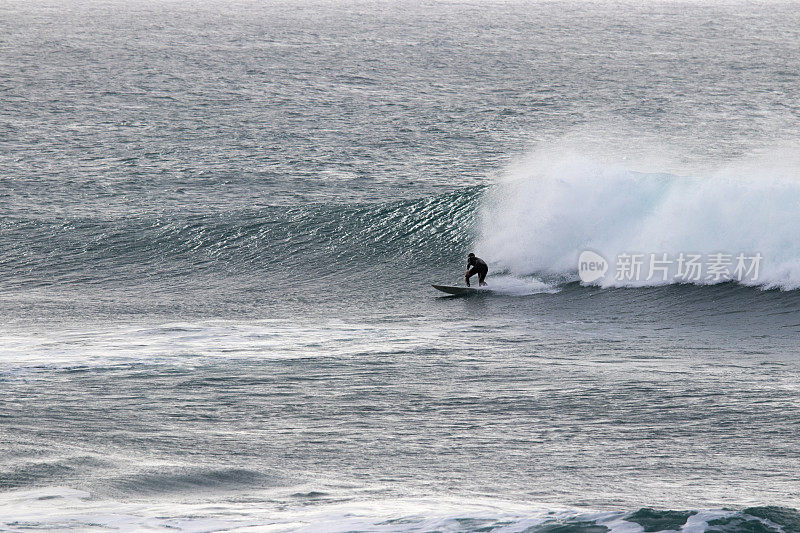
<point>548,209</point>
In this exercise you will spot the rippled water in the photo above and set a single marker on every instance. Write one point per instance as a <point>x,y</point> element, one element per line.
<point>219,223</point>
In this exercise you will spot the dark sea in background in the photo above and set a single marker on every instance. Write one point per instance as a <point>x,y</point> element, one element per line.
<point>219,223</point>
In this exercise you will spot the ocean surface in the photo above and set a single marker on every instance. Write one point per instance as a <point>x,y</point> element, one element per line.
<point>220,220</point>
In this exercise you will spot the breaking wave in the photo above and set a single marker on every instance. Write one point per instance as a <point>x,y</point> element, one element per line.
<point>539,219</point>
<point>532,225</point>
<point>74,510</point>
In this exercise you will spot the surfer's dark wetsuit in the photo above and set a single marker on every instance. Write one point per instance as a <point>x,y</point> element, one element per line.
<point>476,265</point>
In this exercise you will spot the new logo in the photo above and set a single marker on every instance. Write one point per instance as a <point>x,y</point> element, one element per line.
<point>591,266</point>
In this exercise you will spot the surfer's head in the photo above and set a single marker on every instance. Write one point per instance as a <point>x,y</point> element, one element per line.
<point>470,256</point>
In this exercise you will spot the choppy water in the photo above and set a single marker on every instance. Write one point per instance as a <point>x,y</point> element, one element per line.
<point>219,223</point>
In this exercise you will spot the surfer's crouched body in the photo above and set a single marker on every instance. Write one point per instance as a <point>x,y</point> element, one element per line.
<point>476,265</point>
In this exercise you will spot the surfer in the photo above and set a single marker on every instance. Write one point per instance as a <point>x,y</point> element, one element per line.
<point>476,265</point>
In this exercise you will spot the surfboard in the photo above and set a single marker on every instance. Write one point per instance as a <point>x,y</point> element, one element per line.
<point>459,291</point>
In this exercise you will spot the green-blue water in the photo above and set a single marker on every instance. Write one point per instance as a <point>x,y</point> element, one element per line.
<point>219,223</point>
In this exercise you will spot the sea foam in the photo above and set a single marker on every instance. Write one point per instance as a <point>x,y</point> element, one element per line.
<point>544,212</point>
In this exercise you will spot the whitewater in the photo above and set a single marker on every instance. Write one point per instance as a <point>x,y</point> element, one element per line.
<point>220,221</point>
<point>551,206</point>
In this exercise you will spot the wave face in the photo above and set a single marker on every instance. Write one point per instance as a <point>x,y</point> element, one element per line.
<point>542,217</point>
<point>292,242</point>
